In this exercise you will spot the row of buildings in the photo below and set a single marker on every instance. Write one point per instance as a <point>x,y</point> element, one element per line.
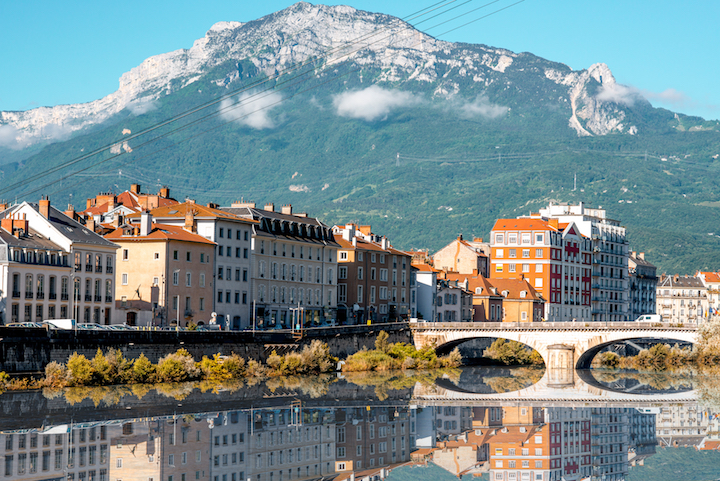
<point>149,260</point>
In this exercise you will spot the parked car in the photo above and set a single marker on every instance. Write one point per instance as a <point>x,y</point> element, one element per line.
<point>92,326</point>
<point>60,323</point>
<point>24,324</point>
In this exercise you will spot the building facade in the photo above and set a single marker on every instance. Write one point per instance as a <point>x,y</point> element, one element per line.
<point>373,277</point>
<point>464,257</point>
<point>294,267</point>
<point>610,252</point>
<point>554,258</point>
<point>642,284</point>
<point>86,293</point>
<point>164,275</point>
<point>681,299</point>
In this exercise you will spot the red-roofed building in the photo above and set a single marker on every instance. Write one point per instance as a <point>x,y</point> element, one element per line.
<point>554,258</point>
<point>711,280</point>
<point>373,277</point>
<point>107,210</point>
<point>164,275</point>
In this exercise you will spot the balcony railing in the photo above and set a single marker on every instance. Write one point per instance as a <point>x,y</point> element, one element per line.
<point>40,295</point>
<point>98,298</point>
<point>109,270</point>
<point>16,294</point>
<point>64,296</point>
<point>52,296</point>
<point>88,298</point>
<point>108,299</point>
<point>28,295</point>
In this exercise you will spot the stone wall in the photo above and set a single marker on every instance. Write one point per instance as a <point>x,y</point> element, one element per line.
<point>30,350</point>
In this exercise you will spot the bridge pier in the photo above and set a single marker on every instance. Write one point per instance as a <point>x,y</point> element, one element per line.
<point>560,365</point>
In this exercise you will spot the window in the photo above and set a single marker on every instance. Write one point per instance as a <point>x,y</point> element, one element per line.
<point>175,255</point>
<point>538,267</point>
<point>526,253</point>
<point>202,280</point>
<point>511,267</point>
<point>360,273</point>
<point>125,254</point>
<point>538,253</point>
<point>176,277</point>
<point>498,268</point>
<point>188,279</point>
<point>124,279</point>
<point>512,253</point>
<point>342,272</point>
<point>499,253</point>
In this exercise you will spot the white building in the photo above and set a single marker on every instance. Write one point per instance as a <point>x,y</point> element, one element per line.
<point>610,290</point>
<point>426,278</point>
<point>681,299</point>
<point>40,277</point>
<point>294,266</point>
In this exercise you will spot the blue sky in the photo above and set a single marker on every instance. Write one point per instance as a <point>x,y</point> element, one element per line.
<point>68,52</point>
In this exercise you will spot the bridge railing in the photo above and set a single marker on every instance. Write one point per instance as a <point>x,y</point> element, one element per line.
<point>529,326</point>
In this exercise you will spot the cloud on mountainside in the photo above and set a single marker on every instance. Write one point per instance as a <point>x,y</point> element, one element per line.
<point>252,110</point>
<point>11,136</point>
<point>141,106</point>
<point>481,107</point>
<point>372,103</point>
<point>620,94</point>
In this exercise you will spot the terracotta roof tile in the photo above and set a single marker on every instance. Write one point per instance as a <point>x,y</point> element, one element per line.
<point>522,224</point>
<point>160,232</point>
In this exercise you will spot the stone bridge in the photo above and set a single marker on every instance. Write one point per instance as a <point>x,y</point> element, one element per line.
<point>563,345</point>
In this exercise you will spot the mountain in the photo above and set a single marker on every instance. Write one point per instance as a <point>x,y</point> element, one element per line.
<point>359,116</point>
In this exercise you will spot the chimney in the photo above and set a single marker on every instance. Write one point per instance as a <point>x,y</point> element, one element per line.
<point>554,223</point>
<point>3,206</point>
<point>365,229</point>
<point>477,239</point>
<point>45,207</point>
<point>117,220</point>
<point>7,224</point>
<point>349,232</point>
<point>354,241</point>
<point>111,203</point>
<point>287,209</point>
<point>90,223</point>
<point>269,207</point>
<point>641,256</point>
<point>70,212</point>
<point>213,205</point>
<point>241,203</point>
<point>190,225</point>
<point>164,192</point>
<point>145,223</point>
<point>384,243</point>
<point>460,237</point>
<point>135,188</point>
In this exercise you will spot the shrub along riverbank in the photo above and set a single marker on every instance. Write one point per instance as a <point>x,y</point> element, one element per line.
<point>705,355</point>
<point>392,356</point>
<point>112,368</point>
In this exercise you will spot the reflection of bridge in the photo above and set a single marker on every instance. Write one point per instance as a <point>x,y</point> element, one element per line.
<point>565,345</point>
<point>548,393</point>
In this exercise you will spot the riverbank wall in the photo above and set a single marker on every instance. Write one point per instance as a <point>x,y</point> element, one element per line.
<point>30,350</point>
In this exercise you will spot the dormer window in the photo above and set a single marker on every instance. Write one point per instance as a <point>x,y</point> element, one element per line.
<point>505,293</point>
<point>523,294</point>
<point>478,290</point>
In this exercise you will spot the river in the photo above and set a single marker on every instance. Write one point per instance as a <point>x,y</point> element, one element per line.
<point>510,424</point>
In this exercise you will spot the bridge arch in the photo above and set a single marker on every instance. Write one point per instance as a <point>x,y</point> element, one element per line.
<point>584,359</point>
<point>580,337</point>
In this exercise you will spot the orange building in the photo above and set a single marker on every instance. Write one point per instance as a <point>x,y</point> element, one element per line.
<point>554,258</point>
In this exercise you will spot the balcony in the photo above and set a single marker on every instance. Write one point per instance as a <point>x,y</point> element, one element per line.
<point>88,298</point>
<point>64,296</point>
<point>40,295</point>
<point>52,296</point>
<point>108,299</point>
<point>88,268</point>
<point>16,294</point>
<point>98,298</point>
<point>98,269</point>
<point>108,270</point>
<point>28,295</point>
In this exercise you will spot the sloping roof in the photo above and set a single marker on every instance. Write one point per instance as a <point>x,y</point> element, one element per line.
<point>642,262</point>
<point>680,282</point>
<point>709,276</point>
<point>514,287</point>
<point>160,232</point>
<point>367,245</point>
<point>72,230</point>
<point>523,224</point>
<point>425,268</point>
<point>512,434</point>
<point>31,240</point>
<point>200,211</point>
<point>474,282</point>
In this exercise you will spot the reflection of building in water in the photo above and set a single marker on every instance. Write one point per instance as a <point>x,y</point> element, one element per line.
<point>291,444</point>
<point>228,446</point>
<point>372,437</point>
<point>681,425</point>
<point>425,422</point>
<point>64,453</point>
<point>453,419</point>
<point>610,428</point>
<point>641,436</point>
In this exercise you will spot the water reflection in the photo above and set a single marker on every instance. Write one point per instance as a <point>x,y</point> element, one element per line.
<point>350,429</point>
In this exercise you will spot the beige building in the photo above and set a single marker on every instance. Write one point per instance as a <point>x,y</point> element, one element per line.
<point>164,275</point>
<point>681,299</point>
<point>464,257</point>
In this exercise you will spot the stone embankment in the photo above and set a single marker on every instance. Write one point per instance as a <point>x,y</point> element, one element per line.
<point>30,350</point>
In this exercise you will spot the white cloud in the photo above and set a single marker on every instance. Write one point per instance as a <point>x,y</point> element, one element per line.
<point>142,106</point>
<point>9,137</point>
<point>252,110</point>
<point>620,94</point>
<point>481,107</point>
<point>372,103</point>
